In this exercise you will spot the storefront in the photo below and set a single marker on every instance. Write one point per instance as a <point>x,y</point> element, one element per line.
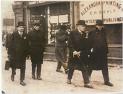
<point>54,13</point>
<point>63,12</point>
<point>111,12</point>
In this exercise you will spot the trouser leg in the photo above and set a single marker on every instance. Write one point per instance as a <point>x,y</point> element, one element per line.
<point>33,70</point>
<point>13,71</point>
<point>70,73</point>
<point>105,74</point>
<point>59,66</point>
<point>86,79</point>
<point>89,72</point>
<point>64,58</point>
<point>39,70</point>
<point>22,74</point>
<point>85,76</point>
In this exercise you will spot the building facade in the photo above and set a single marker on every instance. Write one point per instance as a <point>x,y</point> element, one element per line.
<point>64,12</point>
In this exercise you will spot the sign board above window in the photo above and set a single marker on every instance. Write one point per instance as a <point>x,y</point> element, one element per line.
<point>111,11</point>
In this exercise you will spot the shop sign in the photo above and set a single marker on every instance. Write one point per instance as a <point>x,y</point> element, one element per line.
<point>111,11</point>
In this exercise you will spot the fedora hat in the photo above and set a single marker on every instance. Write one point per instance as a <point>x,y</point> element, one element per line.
<point>99,22</point>
<point>20,24</point>
<point>81,22</point>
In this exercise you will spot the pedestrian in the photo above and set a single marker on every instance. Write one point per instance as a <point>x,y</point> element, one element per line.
<point>78,52</point>
<point>37,44</point>
<point>18,50</point>
<point>61,48</point>
<point>99,49</point>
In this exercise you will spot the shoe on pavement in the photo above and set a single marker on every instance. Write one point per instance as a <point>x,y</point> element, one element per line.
<point>108,83</point>
<point>88,85</point>
<point>59,71</point>
<point>39,78</point>
<point>22,83</point>
<point>68,81</point>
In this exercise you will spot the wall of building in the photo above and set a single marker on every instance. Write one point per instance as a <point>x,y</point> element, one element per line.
<point>7,15</point>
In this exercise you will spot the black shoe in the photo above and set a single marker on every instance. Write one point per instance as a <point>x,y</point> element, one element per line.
<point>108,83</point>
<point>88,85</point>
<point>22,83</point>
<point>59,71</point>
<point>39,78</point>
<point>12,77</point>
<point>68,81</point>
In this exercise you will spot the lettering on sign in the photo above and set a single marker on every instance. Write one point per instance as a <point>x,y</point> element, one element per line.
<point>111,10</point>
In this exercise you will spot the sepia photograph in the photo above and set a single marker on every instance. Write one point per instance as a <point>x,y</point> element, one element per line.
<point>61,47</point>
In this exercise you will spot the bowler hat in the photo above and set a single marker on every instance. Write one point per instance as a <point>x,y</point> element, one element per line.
<point>20,24</point>
<point>99,22</point>
<point>81,22</point>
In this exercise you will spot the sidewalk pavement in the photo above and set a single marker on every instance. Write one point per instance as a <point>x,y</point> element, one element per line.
<point>55,83</point>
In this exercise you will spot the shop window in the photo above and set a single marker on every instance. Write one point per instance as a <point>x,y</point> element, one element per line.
<point>114,33</point>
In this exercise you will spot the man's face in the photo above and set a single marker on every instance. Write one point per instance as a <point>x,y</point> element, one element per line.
<point>20,28</point>
<point>36,27</point>
<point>82,27</point>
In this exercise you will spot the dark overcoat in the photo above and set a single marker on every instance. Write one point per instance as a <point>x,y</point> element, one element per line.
<point>98,42</point>
<point>18,49</point>
<point>78,42</point>
<point>37,43</point>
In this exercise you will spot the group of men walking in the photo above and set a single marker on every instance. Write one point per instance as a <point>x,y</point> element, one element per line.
<point>87,51</point>
<point>20,45</point>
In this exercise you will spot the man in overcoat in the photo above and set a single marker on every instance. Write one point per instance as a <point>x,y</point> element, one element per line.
<point>61,48</point>
<point>78,54</point>
<point>99,49</point>
<point>18,51</point>
<point>36,46</point>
